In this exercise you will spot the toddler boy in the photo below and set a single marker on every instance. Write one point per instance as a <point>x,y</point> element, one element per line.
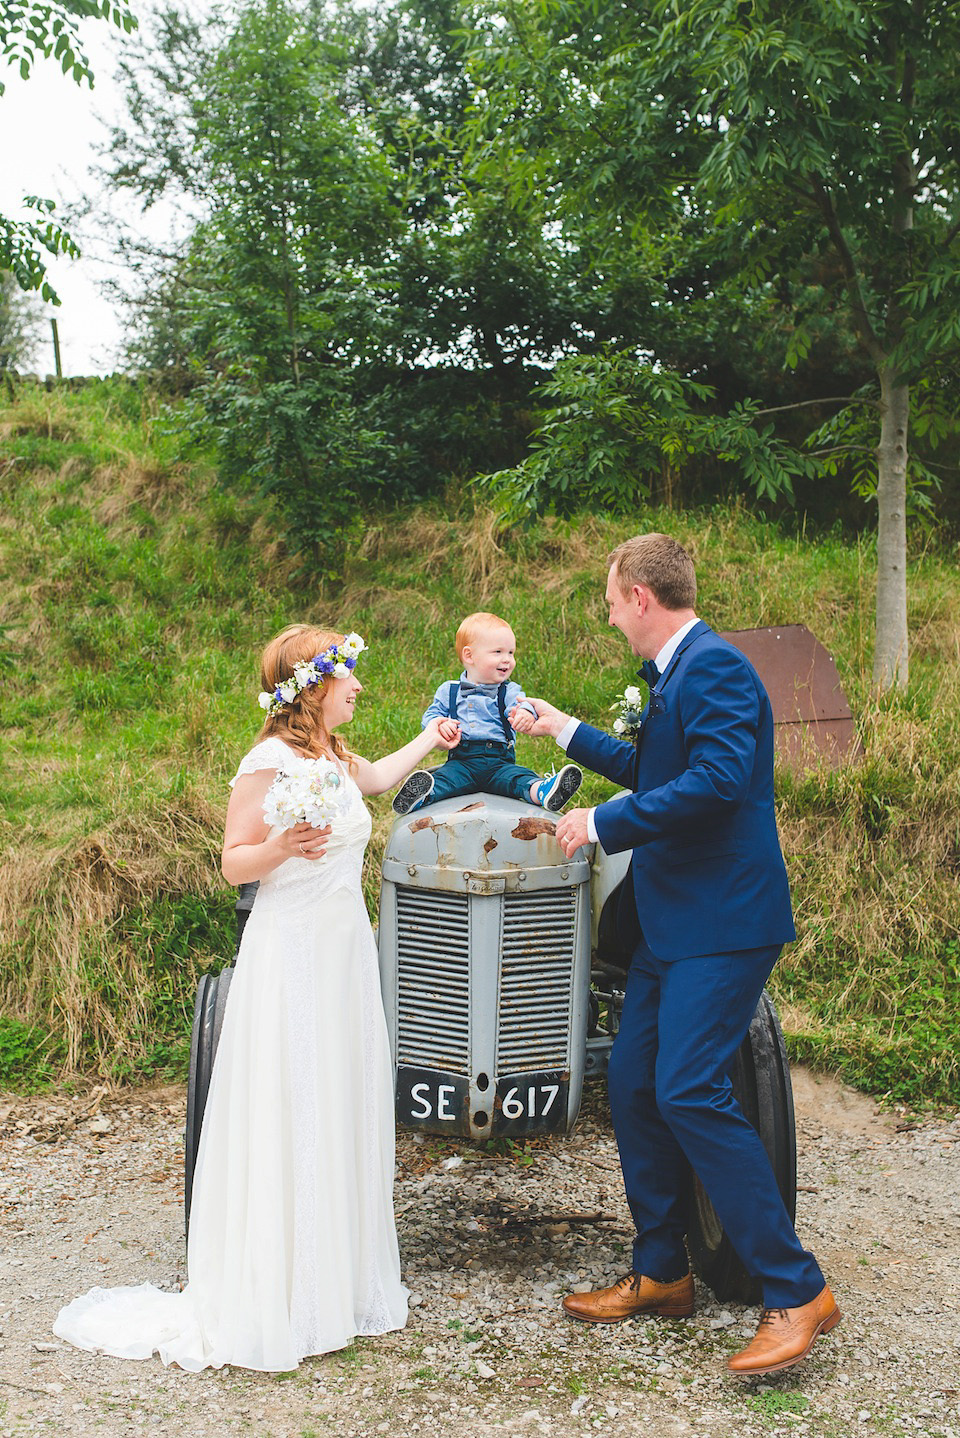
<point>486,710</point>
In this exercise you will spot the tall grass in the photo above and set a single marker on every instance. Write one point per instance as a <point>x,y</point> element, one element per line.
<point>136,598</point>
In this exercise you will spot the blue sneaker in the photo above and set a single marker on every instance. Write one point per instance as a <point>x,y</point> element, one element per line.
<point>413,792</point>
<point>554,791</point>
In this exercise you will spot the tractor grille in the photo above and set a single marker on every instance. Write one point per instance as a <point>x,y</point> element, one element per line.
<point>537,951</point>
<point>433,980</point>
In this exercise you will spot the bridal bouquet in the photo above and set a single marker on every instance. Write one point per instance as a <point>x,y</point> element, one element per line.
<point>314,796</point>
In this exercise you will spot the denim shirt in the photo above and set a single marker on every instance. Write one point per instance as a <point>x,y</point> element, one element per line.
<point>478,712</point>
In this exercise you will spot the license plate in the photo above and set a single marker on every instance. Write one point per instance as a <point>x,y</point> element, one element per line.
<point>435,1102</point>
<point>531,1103</point>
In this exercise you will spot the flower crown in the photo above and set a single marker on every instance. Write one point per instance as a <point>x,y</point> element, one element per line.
<point>337,661</point>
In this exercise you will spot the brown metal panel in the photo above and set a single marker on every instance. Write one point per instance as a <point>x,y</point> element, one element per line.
<point>813,721</point>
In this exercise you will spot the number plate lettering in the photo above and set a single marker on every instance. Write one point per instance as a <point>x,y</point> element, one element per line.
<point>531,1103</point>
<point>432,1101</point>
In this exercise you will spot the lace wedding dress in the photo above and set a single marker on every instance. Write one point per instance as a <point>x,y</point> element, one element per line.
<point>292,1247</point>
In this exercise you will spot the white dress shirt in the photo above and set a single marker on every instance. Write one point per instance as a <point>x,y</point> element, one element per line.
<point>661,661</point>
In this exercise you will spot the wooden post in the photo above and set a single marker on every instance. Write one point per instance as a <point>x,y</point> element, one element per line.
<point>56,349</point>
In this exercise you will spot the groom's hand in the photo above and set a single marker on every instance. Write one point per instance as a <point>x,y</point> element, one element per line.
<point>522,720</point>
<point>572,831</point>
<point>549,721</point>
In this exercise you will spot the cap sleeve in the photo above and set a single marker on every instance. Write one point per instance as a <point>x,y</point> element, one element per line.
<point>270,754</point>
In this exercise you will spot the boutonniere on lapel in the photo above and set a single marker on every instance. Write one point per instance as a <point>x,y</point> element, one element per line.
<point>629,706</point>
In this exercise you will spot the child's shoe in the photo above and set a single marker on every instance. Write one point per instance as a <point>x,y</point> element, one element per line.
<point>554,791</point>
<point>414,791</point>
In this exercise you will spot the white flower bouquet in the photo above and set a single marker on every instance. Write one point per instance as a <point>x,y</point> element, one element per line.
<point>316,795</point>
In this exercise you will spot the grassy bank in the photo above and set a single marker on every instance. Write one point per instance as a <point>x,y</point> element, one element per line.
<point>135,600</point>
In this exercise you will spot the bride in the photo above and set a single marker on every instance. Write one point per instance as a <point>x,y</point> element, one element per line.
<point>292,1248</point>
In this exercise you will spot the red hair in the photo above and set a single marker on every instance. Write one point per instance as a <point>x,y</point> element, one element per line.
<point>300,723</point>
<point>473,625</point>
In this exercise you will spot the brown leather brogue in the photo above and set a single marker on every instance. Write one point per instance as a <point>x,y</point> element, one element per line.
<point>786,1335</point>
<point>633,1294</point>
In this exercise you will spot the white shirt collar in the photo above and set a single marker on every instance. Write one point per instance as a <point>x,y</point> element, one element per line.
<point>673,644</point>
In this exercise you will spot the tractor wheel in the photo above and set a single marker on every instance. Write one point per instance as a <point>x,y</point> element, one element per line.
<point>208,1012</point>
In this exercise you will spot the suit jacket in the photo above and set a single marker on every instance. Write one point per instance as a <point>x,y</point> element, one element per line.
<point>708,874</point>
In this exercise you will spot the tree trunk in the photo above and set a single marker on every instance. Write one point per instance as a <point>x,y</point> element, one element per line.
<point>891,655</point>
<point>890,660</point>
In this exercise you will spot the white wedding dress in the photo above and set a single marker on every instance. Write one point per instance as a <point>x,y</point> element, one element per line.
<point>292,1248</point>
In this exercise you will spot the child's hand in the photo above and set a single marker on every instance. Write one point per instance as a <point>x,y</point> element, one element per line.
<point>445,733</point>
<point>522,720</point>
<point>549,721</point>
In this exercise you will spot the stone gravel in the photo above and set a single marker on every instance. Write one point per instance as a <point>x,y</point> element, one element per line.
<point>91,1192</point>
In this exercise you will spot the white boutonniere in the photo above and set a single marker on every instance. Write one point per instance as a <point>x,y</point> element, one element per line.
<point>629,705</point>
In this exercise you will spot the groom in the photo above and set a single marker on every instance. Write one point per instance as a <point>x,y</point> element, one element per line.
<point>708,910</point>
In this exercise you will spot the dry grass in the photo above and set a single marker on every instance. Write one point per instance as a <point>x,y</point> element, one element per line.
<point>398,609</point>
<point>482,559</point>
<point>37,419</point>
<point>127,483</point>
<point>58,907</point>
<point>422,534</point>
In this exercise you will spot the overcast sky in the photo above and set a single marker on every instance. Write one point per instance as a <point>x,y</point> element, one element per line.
<point>49,128</point>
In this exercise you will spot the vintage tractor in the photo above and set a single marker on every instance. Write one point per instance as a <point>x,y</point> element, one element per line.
<point>502,980</point>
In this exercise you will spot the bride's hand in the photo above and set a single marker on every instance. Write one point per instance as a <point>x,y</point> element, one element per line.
<point>304,842</point>
<point>445,733</point>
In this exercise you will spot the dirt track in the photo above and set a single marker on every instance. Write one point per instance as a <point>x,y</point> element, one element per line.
<point>91,1189</point>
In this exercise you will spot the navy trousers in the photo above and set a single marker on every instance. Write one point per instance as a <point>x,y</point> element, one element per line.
<point>485,765</point>
<point>671,1097</point>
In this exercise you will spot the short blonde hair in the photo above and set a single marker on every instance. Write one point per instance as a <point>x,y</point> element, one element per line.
<point>659,563</point>
<point>473,625</point>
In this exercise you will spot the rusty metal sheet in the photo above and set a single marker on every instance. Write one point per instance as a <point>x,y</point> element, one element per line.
<point>813,723</point>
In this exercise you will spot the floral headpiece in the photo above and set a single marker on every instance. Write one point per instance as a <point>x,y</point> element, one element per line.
<point>339,660</point>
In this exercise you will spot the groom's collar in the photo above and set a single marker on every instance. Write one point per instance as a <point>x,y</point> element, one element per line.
<point>672,645</point>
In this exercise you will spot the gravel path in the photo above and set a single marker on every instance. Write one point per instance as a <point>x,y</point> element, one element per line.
<point>91,1192</point>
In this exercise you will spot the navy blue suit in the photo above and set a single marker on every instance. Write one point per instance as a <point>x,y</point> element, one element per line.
<point>710,913</point>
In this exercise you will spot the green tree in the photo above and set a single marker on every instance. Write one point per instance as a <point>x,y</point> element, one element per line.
<point>46,28</point>
<point>19,325</point>
<point>820,134</point>
<point>620,430</point>
<point>280,305</point>
<point>447,303</point>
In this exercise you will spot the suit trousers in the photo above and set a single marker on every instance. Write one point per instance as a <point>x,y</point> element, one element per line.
<point>672,1102</point>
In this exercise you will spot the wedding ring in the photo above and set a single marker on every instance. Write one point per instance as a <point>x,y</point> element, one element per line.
<point>301,848</point>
